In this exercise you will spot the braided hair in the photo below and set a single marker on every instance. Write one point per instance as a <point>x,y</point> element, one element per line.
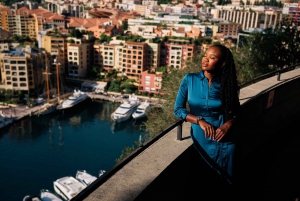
<point>229,85</point>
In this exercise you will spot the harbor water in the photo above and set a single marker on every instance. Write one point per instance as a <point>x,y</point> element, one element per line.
<point>37,150</point>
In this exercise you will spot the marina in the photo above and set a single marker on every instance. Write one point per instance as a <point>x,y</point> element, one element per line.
<point>49,147</point>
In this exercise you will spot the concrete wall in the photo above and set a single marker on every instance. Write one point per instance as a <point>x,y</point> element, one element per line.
<point>267,113</point>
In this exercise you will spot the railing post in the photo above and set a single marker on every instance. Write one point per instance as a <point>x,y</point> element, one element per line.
<point>179,131</point>
<point>278,76</point>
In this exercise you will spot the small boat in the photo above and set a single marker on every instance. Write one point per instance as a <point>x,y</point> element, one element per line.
<point>47,195</point>
<point>141,110</point>
<point>101,172</point>
<point>68,187</point>
<point>76,98</point>
<point>85,177</point>
<point>31,198</point>
<point>125,110</point>
<point>5,121</point>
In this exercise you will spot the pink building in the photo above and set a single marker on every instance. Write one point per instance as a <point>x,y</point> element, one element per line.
<point>150,82</point>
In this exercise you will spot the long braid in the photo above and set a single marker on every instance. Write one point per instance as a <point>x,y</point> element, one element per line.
<point>229,85</point>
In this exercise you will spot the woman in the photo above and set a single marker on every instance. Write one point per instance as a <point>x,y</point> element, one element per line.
<point>212,96</point>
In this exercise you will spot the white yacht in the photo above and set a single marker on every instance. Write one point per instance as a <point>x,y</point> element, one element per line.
<point>47,195</point>
<point>141,110</point>
<point>76,98</point>
<point>85,177</point>
<point>125,110</point>
<point>4,120</point>
<point>68,187</point>
<point>47,108</point>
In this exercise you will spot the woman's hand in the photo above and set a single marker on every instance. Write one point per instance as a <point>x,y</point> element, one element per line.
<point>221,131</point>
<point>208,129</point>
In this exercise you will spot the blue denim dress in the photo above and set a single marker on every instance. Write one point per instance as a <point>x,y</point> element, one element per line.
<point>205,101</point>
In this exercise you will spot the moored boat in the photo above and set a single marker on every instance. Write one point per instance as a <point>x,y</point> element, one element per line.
<point>84,177</point>
<point>73,100</point>
<point>31,198</point>
<point>140,112</point>
<point>68,187</point>
<point>5,121</point>
<point>125,110</point>
<point>47,195</point>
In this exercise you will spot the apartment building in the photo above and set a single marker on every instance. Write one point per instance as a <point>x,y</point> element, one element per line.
<point>57,47</point>
<point>105,56</point>
<point>132,59</point>
<point>22,23</point>
<point>141,9</point>
<point>229,30</point>
<point>175,55</point>
<point>150,82</point>
<point>153,56</point>
<point>21,71</point>
<point>149,3</point>
<point>292,9</point>
<point>4,11</point>
<point>251,18</point>
<point>77,67</point>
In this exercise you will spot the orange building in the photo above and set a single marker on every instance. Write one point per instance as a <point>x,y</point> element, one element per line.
<point>175,55</point>
<point>132,60</point>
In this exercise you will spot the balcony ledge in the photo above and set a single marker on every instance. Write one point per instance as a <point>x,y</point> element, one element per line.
<point>134,177</point>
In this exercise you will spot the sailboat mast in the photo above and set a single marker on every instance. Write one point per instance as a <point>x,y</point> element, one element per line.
<point>57,80</point>
<point>47,83</point>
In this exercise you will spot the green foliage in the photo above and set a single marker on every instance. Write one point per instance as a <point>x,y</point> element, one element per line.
<point>124,25</point>
<point>131,38</point>
<point>104,38</point>
<point>164,2</point>
<point>93,73</point>
<point>263,52</point>
<point>115,86</point>
<point>76,33</point>
<point>71,41</point>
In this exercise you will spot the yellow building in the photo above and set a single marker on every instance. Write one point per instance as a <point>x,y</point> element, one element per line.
<point>22,71</point>
<point>153,57</point>
<point>78,58</point>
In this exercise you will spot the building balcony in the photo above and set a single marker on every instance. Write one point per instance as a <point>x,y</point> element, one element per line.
<point>167,167</point>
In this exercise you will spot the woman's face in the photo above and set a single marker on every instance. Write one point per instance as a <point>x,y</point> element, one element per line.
<point>212,59</point>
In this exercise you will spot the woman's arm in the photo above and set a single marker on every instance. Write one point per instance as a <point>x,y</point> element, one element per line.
<point>207,128</point>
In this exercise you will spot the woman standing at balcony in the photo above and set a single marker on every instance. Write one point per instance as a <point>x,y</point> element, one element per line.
<point>212,96</point>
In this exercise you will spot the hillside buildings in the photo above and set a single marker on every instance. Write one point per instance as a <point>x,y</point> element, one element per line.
<point>165,36</point>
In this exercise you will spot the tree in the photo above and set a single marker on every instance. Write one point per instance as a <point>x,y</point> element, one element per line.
<point>76,33</point>
<point>273,49</point>
<point>159,119</point>
<point>124,25</point>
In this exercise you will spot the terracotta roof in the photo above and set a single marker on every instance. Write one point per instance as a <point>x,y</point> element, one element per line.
<point>23,11</point>
<point>112,13</point>
<point>39,11</point>
<point>90,22</point>
<point>180,30</point>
